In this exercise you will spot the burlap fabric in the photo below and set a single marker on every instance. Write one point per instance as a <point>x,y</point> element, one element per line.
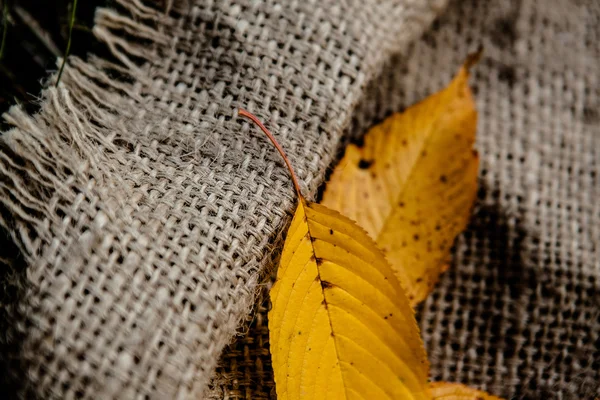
<point>145,211</point>
<point>518,313</point>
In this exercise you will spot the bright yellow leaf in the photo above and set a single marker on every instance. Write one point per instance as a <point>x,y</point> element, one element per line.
<point>413,183</point>
<point>340,325</point>
<point>457,391</point>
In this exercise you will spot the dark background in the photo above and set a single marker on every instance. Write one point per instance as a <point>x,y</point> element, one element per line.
<point>28,60</point>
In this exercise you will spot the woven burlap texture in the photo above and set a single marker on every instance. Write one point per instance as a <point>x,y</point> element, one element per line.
<point>145,210</point>
<point>518,313</point>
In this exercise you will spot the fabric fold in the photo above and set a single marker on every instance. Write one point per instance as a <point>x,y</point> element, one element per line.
<point>145,211</point>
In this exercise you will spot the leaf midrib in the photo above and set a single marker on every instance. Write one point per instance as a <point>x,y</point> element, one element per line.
<point>404,184</point>
<point>305,205</point>
<point>346,387</point>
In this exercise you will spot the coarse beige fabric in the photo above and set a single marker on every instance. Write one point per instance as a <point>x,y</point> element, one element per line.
<point>145,210</point>
<point>518,313</point>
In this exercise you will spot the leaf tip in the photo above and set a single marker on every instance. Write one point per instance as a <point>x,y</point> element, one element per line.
<point>473,58</point>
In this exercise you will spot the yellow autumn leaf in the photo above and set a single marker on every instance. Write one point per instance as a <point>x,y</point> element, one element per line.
<point>340,324</point>
<point>457,391</point>
<point>413,183</point>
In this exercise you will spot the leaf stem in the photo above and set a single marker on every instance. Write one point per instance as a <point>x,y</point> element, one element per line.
<point>254,119</point>
<point>71,23</point>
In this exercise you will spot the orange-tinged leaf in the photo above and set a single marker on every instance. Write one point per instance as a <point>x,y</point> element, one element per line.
<point>457,391</point>
<point>340,325</point>
<point>413,183</point>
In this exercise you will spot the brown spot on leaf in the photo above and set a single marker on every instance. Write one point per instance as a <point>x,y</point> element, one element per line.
<point>331,231</point>
<point>364,164</point>
<point>419,280</point>
<point>326,285</point>
<point>416,237</point>
<point>443,178</point>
